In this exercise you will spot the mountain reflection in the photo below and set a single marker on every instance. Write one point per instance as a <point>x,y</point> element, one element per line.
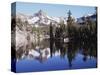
<point>49,48</point>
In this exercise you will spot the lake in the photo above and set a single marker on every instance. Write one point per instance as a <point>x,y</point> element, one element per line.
<point>52,54</point>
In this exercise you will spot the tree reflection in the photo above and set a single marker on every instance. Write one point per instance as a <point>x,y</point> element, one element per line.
<point>70,50</point>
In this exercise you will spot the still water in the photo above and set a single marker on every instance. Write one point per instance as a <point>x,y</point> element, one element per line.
<point>50,54</point>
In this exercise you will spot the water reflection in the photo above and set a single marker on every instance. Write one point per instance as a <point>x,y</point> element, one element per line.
<point>39,51</point>
<point>51,48</point>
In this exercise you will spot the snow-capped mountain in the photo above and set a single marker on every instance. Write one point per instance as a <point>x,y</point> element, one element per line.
<point>41,18</point>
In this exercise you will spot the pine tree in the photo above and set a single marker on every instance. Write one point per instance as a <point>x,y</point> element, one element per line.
<point>51,30</point>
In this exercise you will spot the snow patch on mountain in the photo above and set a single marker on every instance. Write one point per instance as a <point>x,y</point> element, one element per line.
<point>41,18</point>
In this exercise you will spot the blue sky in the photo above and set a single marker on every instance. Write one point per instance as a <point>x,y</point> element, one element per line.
<point>56,10</point>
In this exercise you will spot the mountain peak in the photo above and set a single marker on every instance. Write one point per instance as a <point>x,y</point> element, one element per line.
<point>42,18</point>
<point>40,13</point>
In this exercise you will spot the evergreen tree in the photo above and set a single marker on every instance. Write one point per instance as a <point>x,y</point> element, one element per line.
<point>51,30</point>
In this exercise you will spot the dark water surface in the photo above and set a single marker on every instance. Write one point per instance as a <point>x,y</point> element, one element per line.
<point>56,55</point>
